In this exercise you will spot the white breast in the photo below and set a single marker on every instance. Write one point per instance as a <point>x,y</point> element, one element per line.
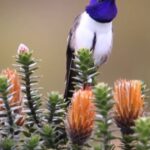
<point>84,37</point>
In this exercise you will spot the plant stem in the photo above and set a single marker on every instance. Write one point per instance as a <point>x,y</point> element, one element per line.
<point>9,114</point>
<point>28,93</point>
<point>127,141</point>
<point>76,147</point>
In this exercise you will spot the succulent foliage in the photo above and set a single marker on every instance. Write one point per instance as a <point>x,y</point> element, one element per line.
<point>103,100</point>
<point>142,133</point>
<point>27,66</point>
<point>55,117</point>
<point>59,126</point>
<point>85,69</point>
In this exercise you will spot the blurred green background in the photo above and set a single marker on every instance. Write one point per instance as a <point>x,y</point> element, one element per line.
<point>43,25</point>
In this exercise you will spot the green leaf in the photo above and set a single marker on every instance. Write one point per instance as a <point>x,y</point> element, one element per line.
<point>32,143</point>
<point>7,144</point>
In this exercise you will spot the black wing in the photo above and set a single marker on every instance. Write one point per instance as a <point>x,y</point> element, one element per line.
<point>69,87</point>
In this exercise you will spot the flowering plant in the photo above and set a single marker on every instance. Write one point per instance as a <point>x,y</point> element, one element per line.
<point>86,122</point>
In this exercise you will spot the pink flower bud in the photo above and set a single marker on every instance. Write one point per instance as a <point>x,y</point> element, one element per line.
<point>22,48</point>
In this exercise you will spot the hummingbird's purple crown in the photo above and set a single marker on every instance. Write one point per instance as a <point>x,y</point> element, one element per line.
<point>102,10</point>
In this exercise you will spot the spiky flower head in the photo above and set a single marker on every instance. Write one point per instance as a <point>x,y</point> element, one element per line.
<point>128,103</point>
<point>22,48</point>
<point>16,86</point>
<point>15,90</point>
<point>81,116</point>
<point>24,55</point>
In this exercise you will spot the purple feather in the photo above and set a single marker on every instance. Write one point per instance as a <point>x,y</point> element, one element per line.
<point>102,11</point>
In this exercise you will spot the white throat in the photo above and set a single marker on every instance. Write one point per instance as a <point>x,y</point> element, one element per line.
<point>96,26</point>
<point>85,34</point>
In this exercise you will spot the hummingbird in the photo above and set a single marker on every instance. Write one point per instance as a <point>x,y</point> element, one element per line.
<point>92,29</point>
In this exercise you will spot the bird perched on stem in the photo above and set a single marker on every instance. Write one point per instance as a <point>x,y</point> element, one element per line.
<point>91,30</point>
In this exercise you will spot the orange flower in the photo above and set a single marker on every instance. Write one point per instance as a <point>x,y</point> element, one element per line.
<point>81,116</point>
<point>16,88</point>
<point>129,103</point>
<point>16,101</point>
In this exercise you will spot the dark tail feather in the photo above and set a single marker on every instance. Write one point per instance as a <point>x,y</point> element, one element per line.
<point>70,73</point>
<point>69,86</point>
